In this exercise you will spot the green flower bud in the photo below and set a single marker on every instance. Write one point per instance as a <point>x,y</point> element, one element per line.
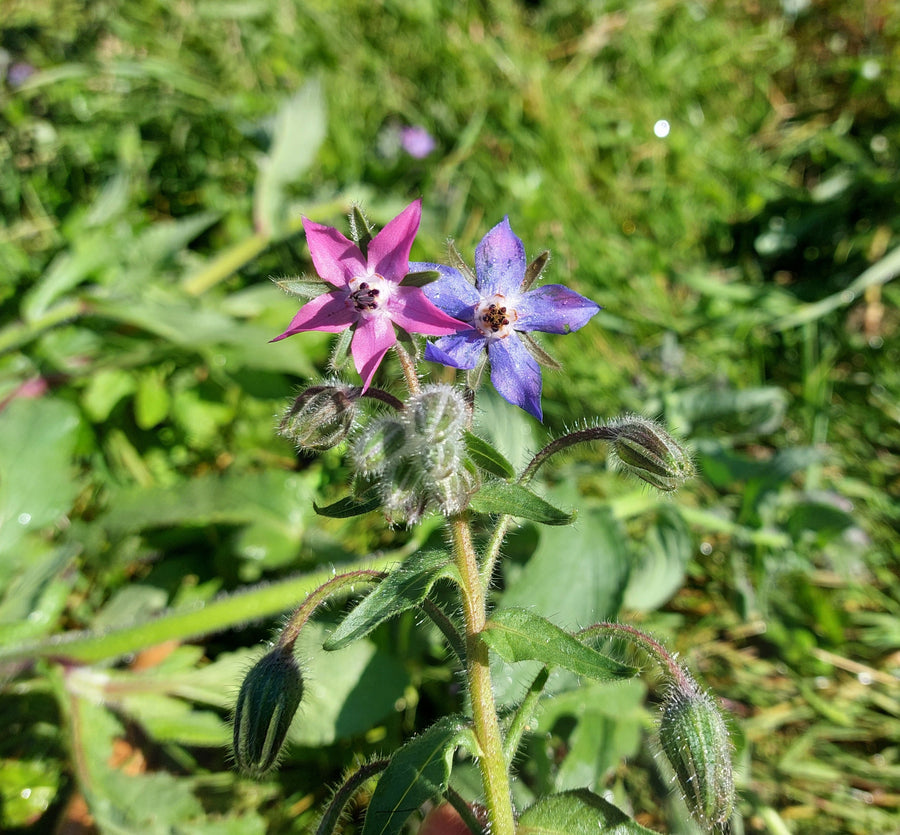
<point>437,415</point>
<point>266,704</point>
<point>453,491</point>
<point>404,497</point>
<point>644,448</point>
<point>379,446</point>
<point>695,741</point>
<point>320,418</point>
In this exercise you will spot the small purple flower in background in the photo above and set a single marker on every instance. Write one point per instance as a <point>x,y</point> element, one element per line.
<point>368,295</point>
<point>417,142</point>
<point>18,73</point>
<point>497,309</point>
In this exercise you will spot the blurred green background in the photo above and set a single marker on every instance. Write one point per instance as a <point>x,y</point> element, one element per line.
<point>722,177</point>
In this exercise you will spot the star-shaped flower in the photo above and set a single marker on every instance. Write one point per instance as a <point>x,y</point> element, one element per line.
<point>368,295</point>
<point>497,310</point>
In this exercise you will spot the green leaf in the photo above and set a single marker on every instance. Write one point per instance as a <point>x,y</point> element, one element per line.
<point>297,134</point>
<point>347,507</point>
<point>483,455</point>
<point>609,723</point>
<point>418,772</point>
<point>346,693</point>
<point>403,589</point>
<point>657,572</point>
<point>37,487</point>
<point>151,400</point>
<point>520,635</point>
<point>579,812</point>
<point>577,574</point>
<point>502,497</point>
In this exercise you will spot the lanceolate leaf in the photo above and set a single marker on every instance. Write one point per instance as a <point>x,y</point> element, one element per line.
<point>520,635</point>
<point>502,497</point>
<point>347,507</point>
<point>418,772</point>
<point>485,456</point>
<point>403,589</point>
<point>579,812</point>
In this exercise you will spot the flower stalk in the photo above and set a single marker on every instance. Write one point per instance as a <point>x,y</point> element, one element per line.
<point>492,760</point>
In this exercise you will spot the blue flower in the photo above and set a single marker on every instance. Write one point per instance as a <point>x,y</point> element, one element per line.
<point>498,309</point>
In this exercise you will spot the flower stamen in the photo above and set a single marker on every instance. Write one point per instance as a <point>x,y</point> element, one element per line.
<point>365,297</point>
<point>493,318</point>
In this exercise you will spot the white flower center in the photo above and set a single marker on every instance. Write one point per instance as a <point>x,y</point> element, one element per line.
<point>495,317</point>
<point>369,293</point>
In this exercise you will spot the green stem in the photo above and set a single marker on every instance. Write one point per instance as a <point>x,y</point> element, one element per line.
<point>524,715</point>
<point>409,368</point>
<point>492,762</point>
<point>652,647</point>
<point>318,596</point>
<point>19,333</point>
<point>243,607</point>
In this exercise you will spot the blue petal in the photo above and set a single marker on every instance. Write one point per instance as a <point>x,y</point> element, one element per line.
<point>451,292</point>
<point>459,350</point>
<point>553,308</point>
<point>500,262</point>
<point>515,374</point>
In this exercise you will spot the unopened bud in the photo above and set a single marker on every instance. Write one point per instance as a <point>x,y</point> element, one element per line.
<point>266,704</point>
<point>453,491</point>
<point>437,414</point>
<point>320,418</point>
<point>404,497</point>
<point>644,448</point>
<point>695,741</point>
<point>379,445</point>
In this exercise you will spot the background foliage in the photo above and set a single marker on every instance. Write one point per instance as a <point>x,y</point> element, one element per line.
<point>155,158</point>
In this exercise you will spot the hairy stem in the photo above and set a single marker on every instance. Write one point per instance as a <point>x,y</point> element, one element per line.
<point>350,581</point>
<point>409,368</point>
<point>478,673</point>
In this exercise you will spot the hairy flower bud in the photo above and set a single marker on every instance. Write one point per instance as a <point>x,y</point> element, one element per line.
<point>453,491</point>
<point>644,448</point>
<point>320,418</point>
<point>437,414</point>
<point>695,741</point>
<point>403,492</point>
<point>266,704</point>
<point>379,446</point>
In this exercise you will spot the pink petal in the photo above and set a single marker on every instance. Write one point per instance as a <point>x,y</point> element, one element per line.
<point>411,309</point>
<point>336,259</point>
<point>329,312</point>
<point>373,338</point>
<point>389,249</point>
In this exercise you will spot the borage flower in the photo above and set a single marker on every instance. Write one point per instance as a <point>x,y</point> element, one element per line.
<point>369,296</point>
<point>497,310</point>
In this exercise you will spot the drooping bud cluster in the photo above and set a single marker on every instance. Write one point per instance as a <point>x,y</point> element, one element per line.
<point>642,447</point>
<point>418,458</point>
<point>269,698</point>
<point>321,417</point>
<point>695,741</point>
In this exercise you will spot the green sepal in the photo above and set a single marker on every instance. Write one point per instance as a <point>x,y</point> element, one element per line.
<point>577,812</point>
<point>420,279</point>
<point>302,288</point>
<point>483,455</point>
<point>404,588</point>
<point>516,500</point>
<point>520,635</point>
<point>361,229</point>
<point>534,269</point>
<point>419,771</point>
<point>348,507</point>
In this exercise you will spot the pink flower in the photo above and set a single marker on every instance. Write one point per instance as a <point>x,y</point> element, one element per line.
<point>369,296</point>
